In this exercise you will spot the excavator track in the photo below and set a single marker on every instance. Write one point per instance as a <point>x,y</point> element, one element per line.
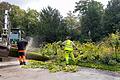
<point>4,51</point>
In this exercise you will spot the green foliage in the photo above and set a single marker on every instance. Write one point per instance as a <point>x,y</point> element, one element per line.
<point>16,16</point>
<point>99,56</point>
<point>94,22</point>
<point>71,21</point>
<point>52,66</point>
<point>115,68</point>
<point>112,62</point>
<point>51,25</point>
<point>115,40</point>
<point>73,25</point>
<point>87,52</point>
<point>3,6</point>
<point>92,52</point>
<point>31,22</point>
<point>112,17</point>
<point>114,43</point>
<point>88,55</point>
<point>53,51</point>
<point>91,16</point>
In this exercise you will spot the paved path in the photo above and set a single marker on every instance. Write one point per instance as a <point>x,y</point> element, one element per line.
<point>12,71</point>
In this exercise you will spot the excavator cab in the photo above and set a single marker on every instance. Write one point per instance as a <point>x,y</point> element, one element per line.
<point>9,41</point>
<point>15,36</point>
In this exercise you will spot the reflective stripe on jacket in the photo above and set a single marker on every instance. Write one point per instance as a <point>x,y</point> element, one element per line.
<point>68,45</point>
<point>21,50</point>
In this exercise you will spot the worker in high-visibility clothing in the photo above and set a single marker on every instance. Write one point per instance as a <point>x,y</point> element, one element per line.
<point>69,49</point>
<point>21,51</point>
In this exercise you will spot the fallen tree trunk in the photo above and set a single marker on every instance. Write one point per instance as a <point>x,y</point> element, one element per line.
<point>35,56</point>
<point>29,55</point>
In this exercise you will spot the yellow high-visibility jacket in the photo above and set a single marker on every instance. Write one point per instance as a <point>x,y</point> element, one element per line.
<point>68,45</point>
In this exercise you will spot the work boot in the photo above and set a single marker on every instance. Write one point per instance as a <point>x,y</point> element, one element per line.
<point>21,63</point>
<point>67,63</point>
<point>24,63</point>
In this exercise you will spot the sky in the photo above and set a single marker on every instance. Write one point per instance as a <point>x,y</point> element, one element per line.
<point>64,6</point>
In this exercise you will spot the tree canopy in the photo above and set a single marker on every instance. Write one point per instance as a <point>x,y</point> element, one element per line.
<point>112,17</point>
<point>91,15</point>
<point>93,23</point>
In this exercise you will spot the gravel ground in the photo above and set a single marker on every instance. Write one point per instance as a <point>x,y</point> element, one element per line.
<point>12,71</point>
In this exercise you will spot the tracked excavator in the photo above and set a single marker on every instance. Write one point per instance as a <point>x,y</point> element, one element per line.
<point>9,36</point>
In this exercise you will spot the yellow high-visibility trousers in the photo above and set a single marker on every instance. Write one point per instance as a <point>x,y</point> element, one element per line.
<point>67,54</point>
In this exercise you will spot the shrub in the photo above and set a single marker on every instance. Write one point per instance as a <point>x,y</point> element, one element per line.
<point>112,62</point>
<point>97,53</point>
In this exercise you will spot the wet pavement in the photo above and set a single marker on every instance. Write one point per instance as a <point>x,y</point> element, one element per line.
<point>12,71</point>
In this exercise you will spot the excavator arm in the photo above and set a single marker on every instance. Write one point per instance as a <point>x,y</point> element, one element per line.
<point>9,36</point>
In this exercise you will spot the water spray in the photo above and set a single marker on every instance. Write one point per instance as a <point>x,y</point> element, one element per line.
<point>29,46</point>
